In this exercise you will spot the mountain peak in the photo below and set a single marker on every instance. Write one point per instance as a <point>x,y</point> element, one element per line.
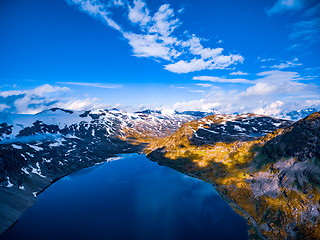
<point>56,110</point>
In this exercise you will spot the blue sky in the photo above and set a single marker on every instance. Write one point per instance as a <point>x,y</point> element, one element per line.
<point>235,56</point>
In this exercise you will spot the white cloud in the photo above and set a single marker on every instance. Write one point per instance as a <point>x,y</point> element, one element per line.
<point>3,107</point>
<point>79,104</point>
<point>196,48</point>
<point>201,105</point>
<point>155,36</point>
<point>89,84</point>
<point>281,6</point>
<point>219,62</point>
<point>271,93</point>
<point>164,22</point>
<point>222,80</point>
<point>139,13</point>
<point>272,109</point>
<point>150,46</point>
<point>41,98</point>
<point>206,85</point>
<point>96,9</point>
<point>40,91</point>
<point>47,88</point>
<point>186,67</point>
<point>238,73</point>
<point>259,89</point>
<point>196,91</point>
<point>287,64</point>
<point>9,93</point>
<point>276,82</point>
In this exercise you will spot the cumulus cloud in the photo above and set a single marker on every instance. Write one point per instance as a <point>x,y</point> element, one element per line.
<point>270,93</point>
<point>139,13</point>
<point>154,36</point>
<point>196,48</point>
<point>271,109</point>
<point>146,45</point>
<point>79,104</point>
<point>282,6</point>
<point>41,98</point>
<point>186,67</point>
<point>218,62</point>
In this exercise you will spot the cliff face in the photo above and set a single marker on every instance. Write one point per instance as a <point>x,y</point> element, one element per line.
<point>275,176</point>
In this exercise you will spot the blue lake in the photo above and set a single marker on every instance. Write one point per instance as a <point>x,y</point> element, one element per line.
<point>130,198</point>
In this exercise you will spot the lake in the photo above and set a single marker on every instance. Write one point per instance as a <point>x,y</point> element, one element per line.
<point>129,198</point>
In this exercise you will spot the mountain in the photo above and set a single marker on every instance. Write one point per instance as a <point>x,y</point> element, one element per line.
<point>35,150</point>
<point>268,169</point>
<point>199,114</point>
<point>298,114</point>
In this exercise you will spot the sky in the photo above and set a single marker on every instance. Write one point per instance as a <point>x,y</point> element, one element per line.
<point>234,56</point>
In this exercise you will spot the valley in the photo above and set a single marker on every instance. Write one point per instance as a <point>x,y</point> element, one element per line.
<point>266,168</point>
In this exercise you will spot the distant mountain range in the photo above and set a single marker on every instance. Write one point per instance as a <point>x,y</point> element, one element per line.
<point>298,114</point>
<point>257,157</point>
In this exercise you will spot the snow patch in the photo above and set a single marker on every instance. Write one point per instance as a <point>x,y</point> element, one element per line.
<point>58,143</point>
<point>35,147</point>
<point>16,146</point>
<point>37,170</point>
<point>25,171</point>
<point>114,159</point>
<point>9,183</point>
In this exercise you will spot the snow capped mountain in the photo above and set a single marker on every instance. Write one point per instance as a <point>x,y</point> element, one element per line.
<point>299,114</point>
<point>199,114</point>
<point>226,128</point>
<point>54,140</point>
<point>109,122</point>
<point>35,150</point>
<point>268,167</point>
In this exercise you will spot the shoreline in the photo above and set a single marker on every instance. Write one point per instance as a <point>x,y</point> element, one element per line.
<point>232,204</point>
<point>27,198</point>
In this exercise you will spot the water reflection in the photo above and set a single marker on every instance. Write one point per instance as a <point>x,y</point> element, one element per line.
<point>132,198</point>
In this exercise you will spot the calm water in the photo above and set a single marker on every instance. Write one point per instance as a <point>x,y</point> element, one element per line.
<point>130,198</point>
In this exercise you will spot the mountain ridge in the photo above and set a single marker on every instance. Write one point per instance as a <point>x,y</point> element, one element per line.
<point>230,151</point>
<point>278,187</point>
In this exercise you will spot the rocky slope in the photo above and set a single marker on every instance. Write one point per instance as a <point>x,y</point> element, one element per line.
<point>268,169</point>
<point>35,150</point>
